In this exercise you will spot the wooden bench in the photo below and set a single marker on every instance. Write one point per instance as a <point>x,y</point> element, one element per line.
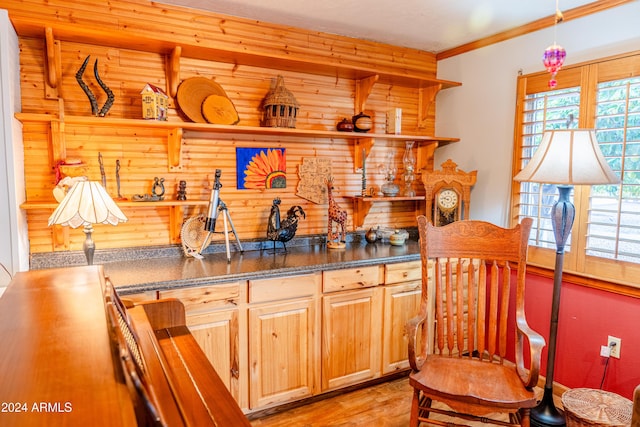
<point>170,379</point>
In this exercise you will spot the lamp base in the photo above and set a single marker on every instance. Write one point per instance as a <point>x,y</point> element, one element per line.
<point>546,414</point>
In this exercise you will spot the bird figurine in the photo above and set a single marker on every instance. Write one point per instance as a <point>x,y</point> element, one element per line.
<point>283,230</point>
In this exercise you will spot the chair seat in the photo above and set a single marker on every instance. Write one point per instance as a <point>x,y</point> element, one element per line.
<point>472,381</point>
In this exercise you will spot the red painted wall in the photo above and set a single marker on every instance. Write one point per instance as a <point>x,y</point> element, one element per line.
<point>587,316</point>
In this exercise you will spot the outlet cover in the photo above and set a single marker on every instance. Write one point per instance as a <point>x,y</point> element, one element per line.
<point>615,350</point>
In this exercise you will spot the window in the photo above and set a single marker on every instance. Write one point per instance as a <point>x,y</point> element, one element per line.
<point>605,95</point>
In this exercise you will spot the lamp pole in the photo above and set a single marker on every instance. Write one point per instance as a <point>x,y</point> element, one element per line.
<point>562,215</point>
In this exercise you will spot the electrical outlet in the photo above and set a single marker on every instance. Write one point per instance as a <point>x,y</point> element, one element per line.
<point>615,350</point>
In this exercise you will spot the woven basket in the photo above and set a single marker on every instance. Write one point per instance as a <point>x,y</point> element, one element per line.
<point>585,407</point>
<point>280,107</point>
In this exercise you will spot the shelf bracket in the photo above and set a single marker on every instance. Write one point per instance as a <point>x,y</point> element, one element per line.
<point>57,141</point>
<point>359,157</point>
<point>173,71</point>
<point>361,208</point>
<point>363,90</point>
<point>426,98</point>
<point>174,147</point>
<point>53,88</point>
<point>425,155</point>
<point>176,218</point>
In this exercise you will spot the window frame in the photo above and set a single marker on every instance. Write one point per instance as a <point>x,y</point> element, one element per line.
<point>590,270</point>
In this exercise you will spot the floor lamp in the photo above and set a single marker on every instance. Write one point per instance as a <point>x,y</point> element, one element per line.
<point>565,158</point>
<point>87,203</point>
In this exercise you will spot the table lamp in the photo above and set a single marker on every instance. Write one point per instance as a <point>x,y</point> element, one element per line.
<point>565,158</point>
<point>87,203</point>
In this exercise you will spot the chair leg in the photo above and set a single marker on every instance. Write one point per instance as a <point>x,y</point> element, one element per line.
<point>525,418</point>
<point>415,409</point>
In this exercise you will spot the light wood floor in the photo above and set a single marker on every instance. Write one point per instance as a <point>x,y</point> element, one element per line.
<point>383,405</point>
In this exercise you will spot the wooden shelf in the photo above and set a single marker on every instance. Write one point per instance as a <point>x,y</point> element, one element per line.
<point>122,203</point>
<point>128,38</point>
<point>362,205</point>
<point>175,132</point>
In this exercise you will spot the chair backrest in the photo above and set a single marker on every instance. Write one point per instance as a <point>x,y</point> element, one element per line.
<point>470,270</point>
<point>133,369</point>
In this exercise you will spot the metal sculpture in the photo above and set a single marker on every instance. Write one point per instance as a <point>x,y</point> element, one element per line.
<point>285,230</point>
<point>92,98</point>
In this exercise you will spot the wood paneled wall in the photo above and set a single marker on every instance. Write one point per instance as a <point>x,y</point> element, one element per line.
<point>324,101</point>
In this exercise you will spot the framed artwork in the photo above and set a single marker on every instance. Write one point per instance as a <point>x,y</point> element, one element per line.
<point>258,168</point>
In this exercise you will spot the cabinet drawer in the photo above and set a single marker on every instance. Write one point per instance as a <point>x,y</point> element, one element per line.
<point>208,297</point>
<point>402,272</point>
<point>351,278</point>
<point>263,290</point>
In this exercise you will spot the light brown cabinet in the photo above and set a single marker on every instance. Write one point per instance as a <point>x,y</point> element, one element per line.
<point>351,331</point>
<point>351,326</point>
<point>283,339</point>
<point>216,315</point>
<point>402,292</point>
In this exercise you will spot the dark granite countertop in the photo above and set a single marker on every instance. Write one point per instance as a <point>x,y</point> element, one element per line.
<point>147,274</point>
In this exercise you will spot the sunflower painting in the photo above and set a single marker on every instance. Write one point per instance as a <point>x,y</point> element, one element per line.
<point>259,168</point>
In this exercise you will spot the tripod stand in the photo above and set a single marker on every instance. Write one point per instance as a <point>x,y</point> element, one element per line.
<point>216,205</point>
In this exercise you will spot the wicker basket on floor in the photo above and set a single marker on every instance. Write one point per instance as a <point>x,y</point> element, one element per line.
<point>585,407</point>
<point>280,108</point>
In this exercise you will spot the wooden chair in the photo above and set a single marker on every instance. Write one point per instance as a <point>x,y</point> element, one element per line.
<point>458,341</point>
<point>635,415</point>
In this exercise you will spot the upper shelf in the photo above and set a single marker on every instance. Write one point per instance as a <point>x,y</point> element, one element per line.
<point>232,129</point>
<point>150,42</point>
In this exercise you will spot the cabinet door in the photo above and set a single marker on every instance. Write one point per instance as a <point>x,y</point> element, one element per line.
<point>401,303</point>
<point>351,337</point>
<point>282,352</point>
<point>217,333</point>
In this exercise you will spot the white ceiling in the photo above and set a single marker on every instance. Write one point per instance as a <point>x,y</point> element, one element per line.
<point>430,25</point>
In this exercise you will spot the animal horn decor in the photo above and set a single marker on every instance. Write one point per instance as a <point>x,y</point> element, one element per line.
<point>92,98</point>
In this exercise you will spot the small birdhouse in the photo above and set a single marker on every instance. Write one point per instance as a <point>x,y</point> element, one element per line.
<point>155,103</point>
<point>280,108</point>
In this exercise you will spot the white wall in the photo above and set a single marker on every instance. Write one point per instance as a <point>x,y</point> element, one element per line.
<point>14,251</point>
<point>482,111</point>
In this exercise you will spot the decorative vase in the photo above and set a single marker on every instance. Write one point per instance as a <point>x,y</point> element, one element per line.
<point>409,163</point>
<point>362,122</point>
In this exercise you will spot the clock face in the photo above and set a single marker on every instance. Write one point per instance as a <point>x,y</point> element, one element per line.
<point>447,199</point>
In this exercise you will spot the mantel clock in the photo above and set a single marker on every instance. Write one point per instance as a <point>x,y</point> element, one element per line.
<point>447,193</point>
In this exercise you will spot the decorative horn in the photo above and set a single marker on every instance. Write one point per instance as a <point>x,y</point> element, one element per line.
<point>110,96</point>
<point>85,88</point>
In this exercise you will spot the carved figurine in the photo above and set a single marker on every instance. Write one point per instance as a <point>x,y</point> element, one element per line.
<point>284,230</point>
<point>339,216</point>
<point>157,192</point>
<point>182,191</point>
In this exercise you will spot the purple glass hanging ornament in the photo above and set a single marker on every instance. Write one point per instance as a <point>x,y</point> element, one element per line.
<point>553,59</point>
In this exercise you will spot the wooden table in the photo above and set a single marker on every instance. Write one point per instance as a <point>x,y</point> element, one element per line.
<point>56,365</point>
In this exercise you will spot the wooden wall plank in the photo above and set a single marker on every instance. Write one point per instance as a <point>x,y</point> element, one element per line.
<point>324,101</point>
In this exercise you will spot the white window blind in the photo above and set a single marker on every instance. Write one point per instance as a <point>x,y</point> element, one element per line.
<point>556,109</point>
<point>614,210</point>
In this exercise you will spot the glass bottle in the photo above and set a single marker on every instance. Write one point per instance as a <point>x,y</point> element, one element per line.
<point>389,188</point>
<point>409,163</point>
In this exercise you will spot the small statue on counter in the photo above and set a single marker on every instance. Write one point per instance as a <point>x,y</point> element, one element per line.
<point>182,190</point>
<point>284,230</point>
<point>339,216</point>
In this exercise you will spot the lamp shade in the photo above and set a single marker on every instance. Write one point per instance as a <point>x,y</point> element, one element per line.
<point>87,202</point>
<point>568,157</point>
